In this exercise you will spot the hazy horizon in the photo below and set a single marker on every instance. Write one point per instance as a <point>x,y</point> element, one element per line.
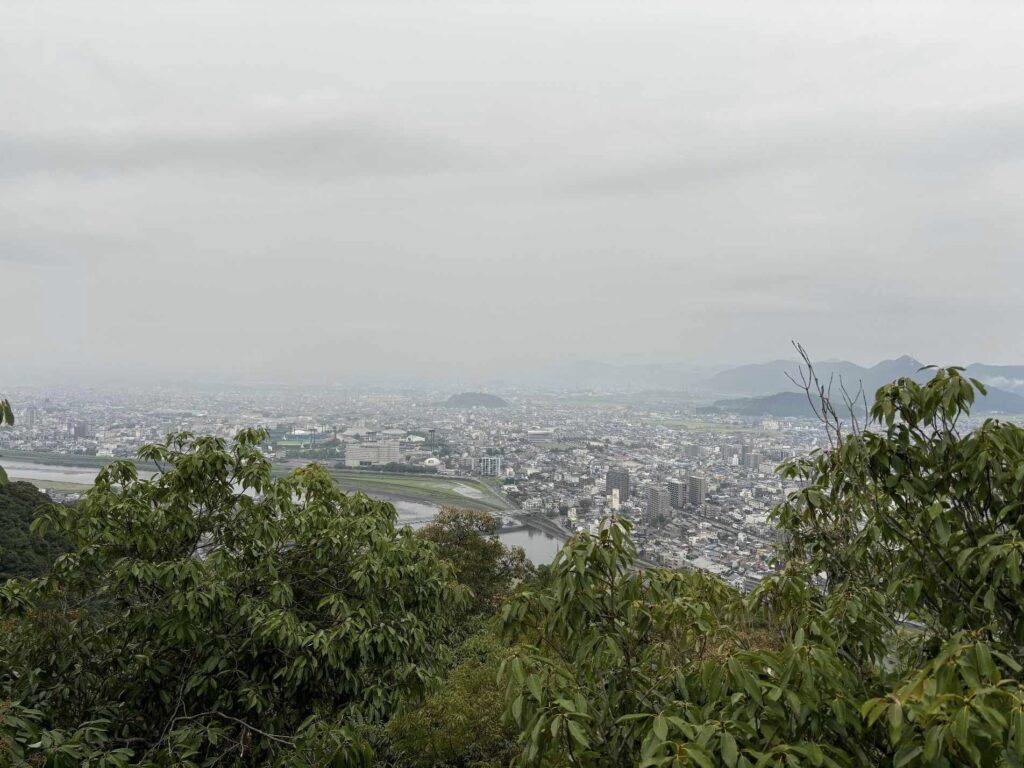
<point>474,190</point>
<point>565,375</point>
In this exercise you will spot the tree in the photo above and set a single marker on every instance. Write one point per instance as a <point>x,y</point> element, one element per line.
<point>460,725</point>
<point>469,541</point>
<point>620,667</point>
<point>891,635</point>
<point>213,615</point>
<point>928,519</point>
<point>21,552</point>
<point>6,417</point>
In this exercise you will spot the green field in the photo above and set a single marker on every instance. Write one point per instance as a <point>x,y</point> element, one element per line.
<point>53,485</point>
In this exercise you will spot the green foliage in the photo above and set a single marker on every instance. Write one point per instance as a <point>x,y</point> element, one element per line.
<point>892,634</point>
<point>927,516</point>
<point>928,520</point>
<point>621,667</point>
<point>215,616</point>
<point>22,553</point>
<point>469,540</point>
<point>6,417</point>
<point>461,724</point>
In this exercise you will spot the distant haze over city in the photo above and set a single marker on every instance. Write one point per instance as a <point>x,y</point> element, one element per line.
<point>477,191</point>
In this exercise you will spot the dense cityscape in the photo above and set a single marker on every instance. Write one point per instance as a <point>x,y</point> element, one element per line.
<point>698,489</point>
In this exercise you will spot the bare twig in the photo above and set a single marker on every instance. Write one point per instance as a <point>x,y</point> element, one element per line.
<point>819,396</point>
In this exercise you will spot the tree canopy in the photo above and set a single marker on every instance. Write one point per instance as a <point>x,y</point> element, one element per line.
<point>469,540</point>
<point>213,615</point>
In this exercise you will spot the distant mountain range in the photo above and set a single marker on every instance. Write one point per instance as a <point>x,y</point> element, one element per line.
<point>769,378</point>
<point>762,385</point>
<point>764,381</point>
<point>760,379</point>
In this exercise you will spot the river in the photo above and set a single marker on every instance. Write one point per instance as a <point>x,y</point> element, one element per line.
<point>540,547</point>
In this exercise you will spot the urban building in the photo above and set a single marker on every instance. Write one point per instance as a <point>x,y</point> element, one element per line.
<point>698,489</point>
<point>79,429</point>
<point>657,503</point>
<point>540,436</point>
<point>372,453</point>
<point>490,466</point>
<point>678,493</point>
<point>617,479</point>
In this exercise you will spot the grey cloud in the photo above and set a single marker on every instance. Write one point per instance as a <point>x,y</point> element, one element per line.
<point>318,152</point>
<point>928,146</point>
<point>668,175</point>
<point>400,187</point>
<point>55,246</point>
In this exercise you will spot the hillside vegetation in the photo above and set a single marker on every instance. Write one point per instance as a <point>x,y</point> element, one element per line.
<point>217,616</point>
<point>21,553</point>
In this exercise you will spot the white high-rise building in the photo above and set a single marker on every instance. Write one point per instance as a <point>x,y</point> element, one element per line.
<point>490,466</point>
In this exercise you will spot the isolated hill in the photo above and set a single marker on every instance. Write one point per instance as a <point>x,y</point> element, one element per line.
<point>475,400</point>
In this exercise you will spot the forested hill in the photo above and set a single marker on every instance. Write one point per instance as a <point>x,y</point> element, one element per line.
<point>21,553</point>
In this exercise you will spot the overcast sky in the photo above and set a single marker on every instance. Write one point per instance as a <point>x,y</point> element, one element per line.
<point>276,188</point>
